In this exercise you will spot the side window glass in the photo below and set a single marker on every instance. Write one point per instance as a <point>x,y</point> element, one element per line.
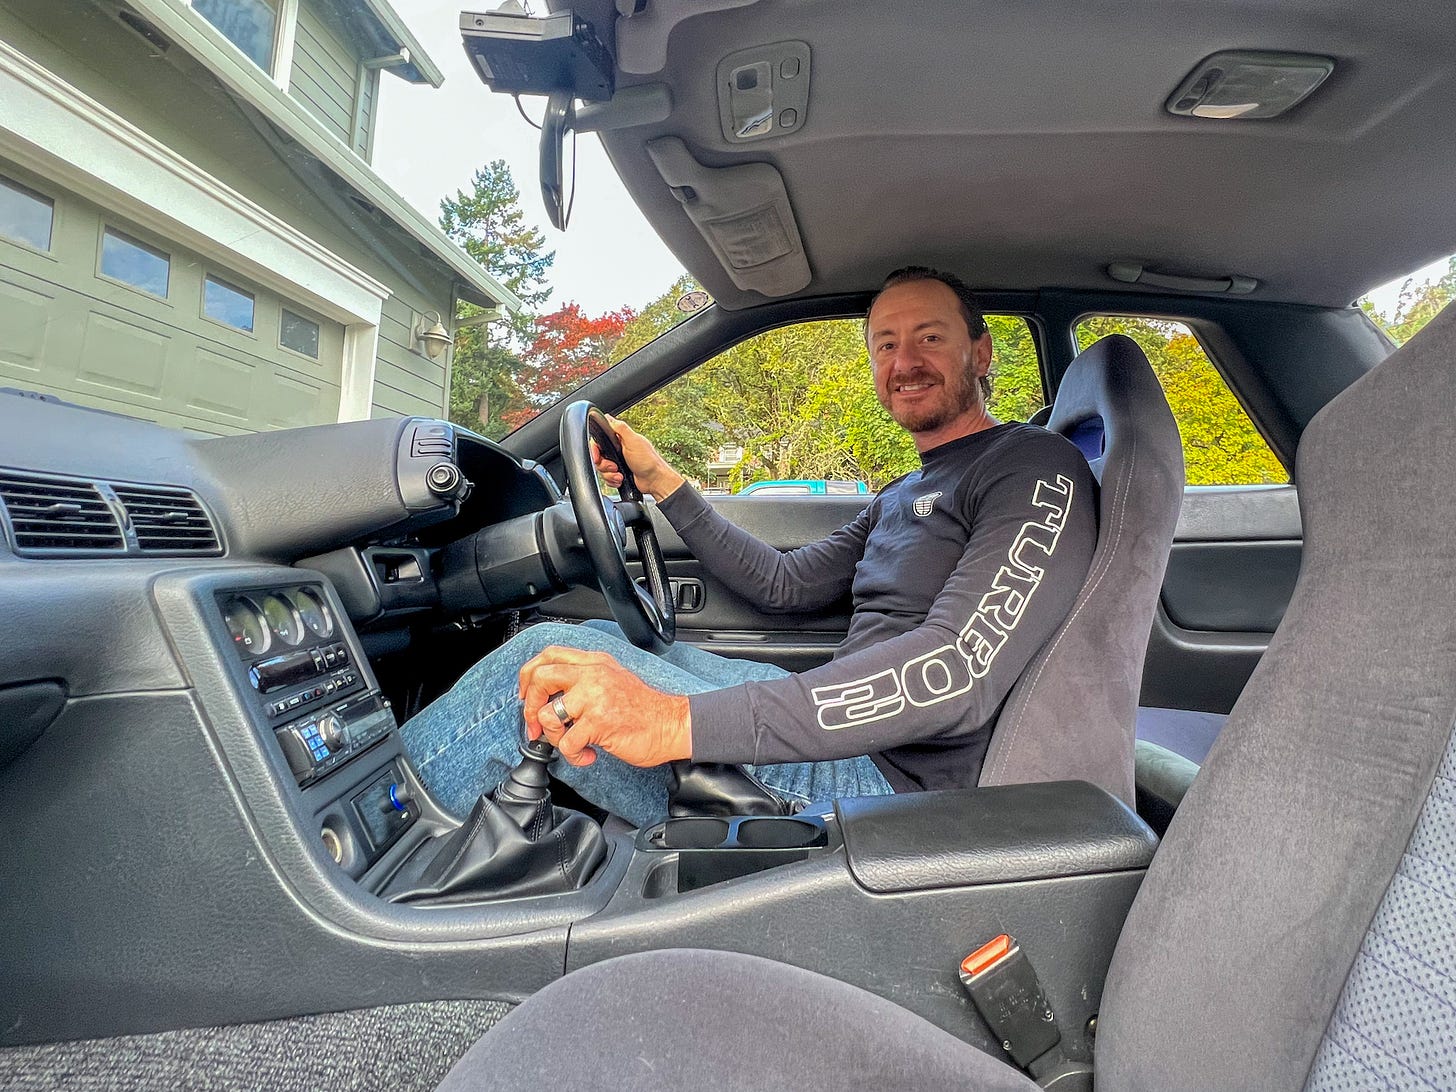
<point>1403,307</point>
<point>797,405</point>
<point>1221,446</point>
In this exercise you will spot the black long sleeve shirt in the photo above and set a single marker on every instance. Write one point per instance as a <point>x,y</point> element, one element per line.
<point>959,573</point>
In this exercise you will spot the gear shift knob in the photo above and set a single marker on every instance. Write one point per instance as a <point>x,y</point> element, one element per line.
<point>525,794</point>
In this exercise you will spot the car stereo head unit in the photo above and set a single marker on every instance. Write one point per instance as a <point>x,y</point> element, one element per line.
<point>302,677</point>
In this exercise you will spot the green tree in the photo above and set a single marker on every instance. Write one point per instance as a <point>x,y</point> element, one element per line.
<point>1416,304</point>
<point>675,417</point>
<point>1016,386</point>
<point>654,320</point>
<point>1221,446</point>
<point>489,225</point>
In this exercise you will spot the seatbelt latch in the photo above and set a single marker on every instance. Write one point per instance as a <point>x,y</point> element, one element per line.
<point>1010,998</point>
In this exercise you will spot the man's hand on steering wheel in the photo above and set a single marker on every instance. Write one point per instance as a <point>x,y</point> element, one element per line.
<point>605,706</point>
<point>647,614</point>
<point>653,474</point>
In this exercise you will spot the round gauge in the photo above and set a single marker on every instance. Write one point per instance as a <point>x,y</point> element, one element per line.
<point>313,610</point>
<point>248,627</point>
<point>283,620</point>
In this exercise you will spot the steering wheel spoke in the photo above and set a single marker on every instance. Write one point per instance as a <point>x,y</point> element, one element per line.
<point>645,615</point>
<point>634,513</point>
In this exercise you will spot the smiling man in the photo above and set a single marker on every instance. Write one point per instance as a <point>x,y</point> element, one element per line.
<point>958,573</point>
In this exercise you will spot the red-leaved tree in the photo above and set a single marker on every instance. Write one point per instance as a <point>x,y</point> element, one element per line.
<point>567,348</point>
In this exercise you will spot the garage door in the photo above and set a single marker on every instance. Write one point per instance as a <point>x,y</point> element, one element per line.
<point>100,312</point>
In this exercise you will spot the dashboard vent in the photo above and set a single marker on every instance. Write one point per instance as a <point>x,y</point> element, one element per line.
<point>54,514</point>
<point>168,521</point>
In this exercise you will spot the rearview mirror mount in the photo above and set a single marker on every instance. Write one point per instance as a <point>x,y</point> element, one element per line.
<point>558,158</point>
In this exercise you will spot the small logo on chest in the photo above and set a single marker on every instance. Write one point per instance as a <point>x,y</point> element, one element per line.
<point>924,505</point>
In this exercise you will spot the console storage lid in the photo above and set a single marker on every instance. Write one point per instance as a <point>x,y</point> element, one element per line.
<point>1002,834</point>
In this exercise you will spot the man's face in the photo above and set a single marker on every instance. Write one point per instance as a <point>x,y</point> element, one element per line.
<point>927,366</point>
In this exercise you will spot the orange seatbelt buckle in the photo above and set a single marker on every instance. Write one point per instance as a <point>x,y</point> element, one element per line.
<point>986,956</point>
<point>1010,998</point>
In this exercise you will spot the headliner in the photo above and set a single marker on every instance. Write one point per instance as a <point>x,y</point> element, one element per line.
<point>1025,144</point>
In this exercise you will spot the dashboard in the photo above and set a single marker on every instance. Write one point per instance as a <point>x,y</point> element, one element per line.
<point>292,549</point>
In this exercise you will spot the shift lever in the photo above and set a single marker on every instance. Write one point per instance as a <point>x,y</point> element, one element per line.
<point>513,843</point>
<point>525,794</point>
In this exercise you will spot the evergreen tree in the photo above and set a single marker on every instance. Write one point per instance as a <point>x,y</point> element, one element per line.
<point>489,225</point>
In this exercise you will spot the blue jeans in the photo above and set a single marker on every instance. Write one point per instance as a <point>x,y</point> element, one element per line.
<point>466,741</point>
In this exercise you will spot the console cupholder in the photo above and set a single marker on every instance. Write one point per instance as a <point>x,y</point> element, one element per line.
<point>779,834</point>
<point>693,833</point>
<point>710,850</point>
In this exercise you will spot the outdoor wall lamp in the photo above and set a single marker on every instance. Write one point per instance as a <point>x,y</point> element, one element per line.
<point>433,339</point>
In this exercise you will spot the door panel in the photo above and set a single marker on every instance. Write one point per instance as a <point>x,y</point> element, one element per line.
<point>1236,556</point>
<point>728,624</point>
<point>731,626</point>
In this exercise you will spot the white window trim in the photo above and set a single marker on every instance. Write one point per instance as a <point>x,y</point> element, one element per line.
<point>285,39</point>
<point>57,132</point>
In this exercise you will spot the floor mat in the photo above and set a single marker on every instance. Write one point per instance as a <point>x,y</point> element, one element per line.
<point>402,1048</point>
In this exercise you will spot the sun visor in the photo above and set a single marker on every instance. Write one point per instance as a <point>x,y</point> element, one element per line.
<point>744,215</point>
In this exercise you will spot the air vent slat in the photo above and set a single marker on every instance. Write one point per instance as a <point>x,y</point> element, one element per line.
<point>58,515</point>
<point>53,517</point>
<point>168,521</point>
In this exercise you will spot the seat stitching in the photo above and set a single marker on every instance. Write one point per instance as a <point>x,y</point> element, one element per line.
<point>1388,1054</point>
<point>1414,984</point>
<point>1434,864</point>
<point>1361,1062</point>
<point>1120,502</point>
<point>1403,950</point>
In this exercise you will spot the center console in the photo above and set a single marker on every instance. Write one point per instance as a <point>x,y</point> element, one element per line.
<point>886,893</point>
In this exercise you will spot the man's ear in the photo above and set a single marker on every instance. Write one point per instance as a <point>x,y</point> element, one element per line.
<point>981,350</point>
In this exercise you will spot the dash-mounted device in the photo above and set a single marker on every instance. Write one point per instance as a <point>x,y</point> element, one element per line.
<point>522,54</point>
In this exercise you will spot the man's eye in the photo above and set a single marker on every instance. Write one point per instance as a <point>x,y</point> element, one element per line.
<point>932,337</point>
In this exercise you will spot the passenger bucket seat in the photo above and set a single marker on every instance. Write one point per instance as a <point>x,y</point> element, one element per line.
<point>1073,713</point>
<point>1295,929</point>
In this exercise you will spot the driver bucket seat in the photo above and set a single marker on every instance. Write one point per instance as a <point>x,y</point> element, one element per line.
<point>1295,929</point>
<point>1073,712</point>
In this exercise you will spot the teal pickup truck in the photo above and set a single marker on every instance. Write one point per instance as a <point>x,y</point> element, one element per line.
<point>803,487</point>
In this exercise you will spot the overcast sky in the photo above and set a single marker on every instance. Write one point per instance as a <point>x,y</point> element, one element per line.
<point>429,142</point>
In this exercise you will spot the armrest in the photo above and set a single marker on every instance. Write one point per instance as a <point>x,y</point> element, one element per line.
<point>1002,834</point>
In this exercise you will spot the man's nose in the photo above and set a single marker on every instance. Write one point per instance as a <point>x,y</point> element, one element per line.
<point>906,358</point>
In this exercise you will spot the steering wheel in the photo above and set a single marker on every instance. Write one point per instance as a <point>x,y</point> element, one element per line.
<point>646,616</point>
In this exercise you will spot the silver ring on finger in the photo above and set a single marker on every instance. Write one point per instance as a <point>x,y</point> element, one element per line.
<point>558,706</point>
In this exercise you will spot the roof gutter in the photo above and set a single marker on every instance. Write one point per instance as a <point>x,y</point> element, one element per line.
<point>393,26</point>
<point>177,20</point>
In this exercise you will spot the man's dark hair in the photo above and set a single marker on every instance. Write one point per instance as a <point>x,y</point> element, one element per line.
<point>970,306</point>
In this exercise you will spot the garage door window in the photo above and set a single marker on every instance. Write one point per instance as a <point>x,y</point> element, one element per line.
<point>1221,446</point>
<point>134,263</point>
<point>231,306</point>
<point>25,216</point>
<point>299,334</point>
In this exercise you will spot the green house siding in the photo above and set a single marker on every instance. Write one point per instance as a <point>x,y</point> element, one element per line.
<point>325,75</point>
<point>405,381</point>
<point>363,142</point>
